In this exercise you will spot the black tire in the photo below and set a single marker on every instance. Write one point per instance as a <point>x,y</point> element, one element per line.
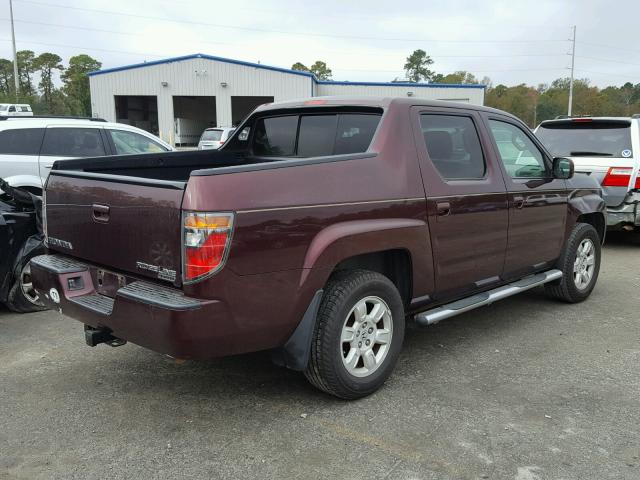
<point>17,301</point>
<point>566,289</point>
<point>326,369</point>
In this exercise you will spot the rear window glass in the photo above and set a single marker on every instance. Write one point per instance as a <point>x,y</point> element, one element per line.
<point>211,135</point>
<point>275,136</point>
<point>587,138</point>
<point>317,135</point>
<point>21,141</point>
<point>73,142</point>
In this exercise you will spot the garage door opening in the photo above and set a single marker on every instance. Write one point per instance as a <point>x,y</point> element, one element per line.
<point>139,111</point>
<point>243,106</point>
<point>192,115</point>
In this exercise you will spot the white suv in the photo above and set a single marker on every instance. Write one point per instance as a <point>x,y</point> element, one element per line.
<point>16,110</point>
<point>30,145</point>
<point>214,138</point>
<point>607,149</point>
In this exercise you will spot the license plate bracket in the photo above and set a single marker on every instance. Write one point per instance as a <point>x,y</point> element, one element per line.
<point>108,283</point>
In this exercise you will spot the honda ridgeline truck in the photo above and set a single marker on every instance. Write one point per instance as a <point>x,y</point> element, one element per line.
<point>315,232</point>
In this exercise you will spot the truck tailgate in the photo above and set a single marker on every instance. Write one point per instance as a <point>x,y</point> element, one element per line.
<point>131,225</point>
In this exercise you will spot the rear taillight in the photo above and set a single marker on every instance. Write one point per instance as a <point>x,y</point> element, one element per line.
<point>206,240</point>
<point>617,177</point>
<point>637,185</point>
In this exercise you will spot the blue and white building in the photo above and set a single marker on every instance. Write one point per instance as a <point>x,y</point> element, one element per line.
<point>177,98</point>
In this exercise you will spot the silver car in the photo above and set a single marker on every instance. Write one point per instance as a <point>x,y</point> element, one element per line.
<point>607,149</point>
<point>214,138</point>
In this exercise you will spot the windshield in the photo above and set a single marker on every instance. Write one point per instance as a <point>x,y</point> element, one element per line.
<point>211,135</point>
<point>605,138</point>
<point>4,108</point>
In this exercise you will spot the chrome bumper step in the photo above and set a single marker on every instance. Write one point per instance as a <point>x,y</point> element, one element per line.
<point>435,315</point>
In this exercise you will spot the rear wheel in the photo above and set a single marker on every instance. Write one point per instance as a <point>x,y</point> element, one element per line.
<point>580,265</point>
<point>358,336</point>
<point>22,297</point>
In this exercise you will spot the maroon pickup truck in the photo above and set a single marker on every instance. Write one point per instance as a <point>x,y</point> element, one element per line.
<point>318,229</point>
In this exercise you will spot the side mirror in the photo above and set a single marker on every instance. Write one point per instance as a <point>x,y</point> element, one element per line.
<point>563,168</point>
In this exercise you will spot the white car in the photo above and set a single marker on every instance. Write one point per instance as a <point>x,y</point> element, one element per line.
<point>214,138</point>
<point>607,149</point>
<point>30,145</point>
<point>15,110</point>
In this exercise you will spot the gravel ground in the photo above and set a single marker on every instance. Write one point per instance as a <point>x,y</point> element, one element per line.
<point>527,389</point>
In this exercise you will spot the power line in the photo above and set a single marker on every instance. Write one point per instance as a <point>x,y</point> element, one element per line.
<point>282,32</point>
<point>88,49</point>
<point>607,60</point>
<point>613,47</point>
<point>116,32</point>
<point>335,68</point>
<point>637,78</point>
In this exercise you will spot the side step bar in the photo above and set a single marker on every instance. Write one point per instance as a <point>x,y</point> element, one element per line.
<point>433,316</point>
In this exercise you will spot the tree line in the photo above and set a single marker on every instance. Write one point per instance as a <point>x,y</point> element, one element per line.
<point>72,98</point>
<point>532,104</point>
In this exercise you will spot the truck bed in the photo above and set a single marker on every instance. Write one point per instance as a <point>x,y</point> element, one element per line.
<point>172,166</point>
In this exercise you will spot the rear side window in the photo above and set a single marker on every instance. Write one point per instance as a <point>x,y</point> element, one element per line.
<point>318,135</point>
<point>73,142</point>
<point>587,138</point>
<point>211,135</point>
<point>453,146</point>
<point>21,141</point>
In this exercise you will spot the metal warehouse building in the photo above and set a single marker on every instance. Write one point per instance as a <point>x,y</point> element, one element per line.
<point>179,97</point>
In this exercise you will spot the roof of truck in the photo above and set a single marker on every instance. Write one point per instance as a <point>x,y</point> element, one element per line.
<point>380,102</point>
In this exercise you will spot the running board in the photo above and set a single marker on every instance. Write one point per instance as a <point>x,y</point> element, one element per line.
<point>435,315</point>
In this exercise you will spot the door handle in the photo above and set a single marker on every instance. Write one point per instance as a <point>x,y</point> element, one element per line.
<point>518,202</point>
<point>443,209</point>
<point>100,213</point>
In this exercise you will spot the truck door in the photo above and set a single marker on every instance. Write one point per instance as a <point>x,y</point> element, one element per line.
<point>537,201</point>
<point>466,200</point>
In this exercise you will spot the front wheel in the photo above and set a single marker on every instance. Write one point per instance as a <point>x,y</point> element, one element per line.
<point>580,265</point>
<point>358,336</point>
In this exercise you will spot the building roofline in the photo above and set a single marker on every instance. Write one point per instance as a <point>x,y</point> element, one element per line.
<point>283,70</point>
<point>401,84</point>
<point>205,56</point>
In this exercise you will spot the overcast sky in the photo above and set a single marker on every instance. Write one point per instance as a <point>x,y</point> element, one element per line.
<point>511,42</point>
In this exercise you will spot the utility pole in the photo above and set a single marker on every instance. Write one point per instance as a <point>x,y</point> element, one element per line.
<point>573,62</point>
<point>16,81</point>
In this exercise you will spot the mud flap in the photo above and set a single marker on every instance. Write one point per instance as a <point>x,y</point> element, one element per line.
<point>294,354</point>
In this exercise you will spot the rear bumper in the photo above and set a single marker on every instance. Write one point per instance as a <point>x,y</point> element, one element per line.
<point>153,316</point>
<point>626,214</point>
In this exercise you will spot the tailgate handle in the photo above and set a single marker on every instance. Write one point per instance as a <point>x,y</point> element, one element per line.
<point>100,213</point>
